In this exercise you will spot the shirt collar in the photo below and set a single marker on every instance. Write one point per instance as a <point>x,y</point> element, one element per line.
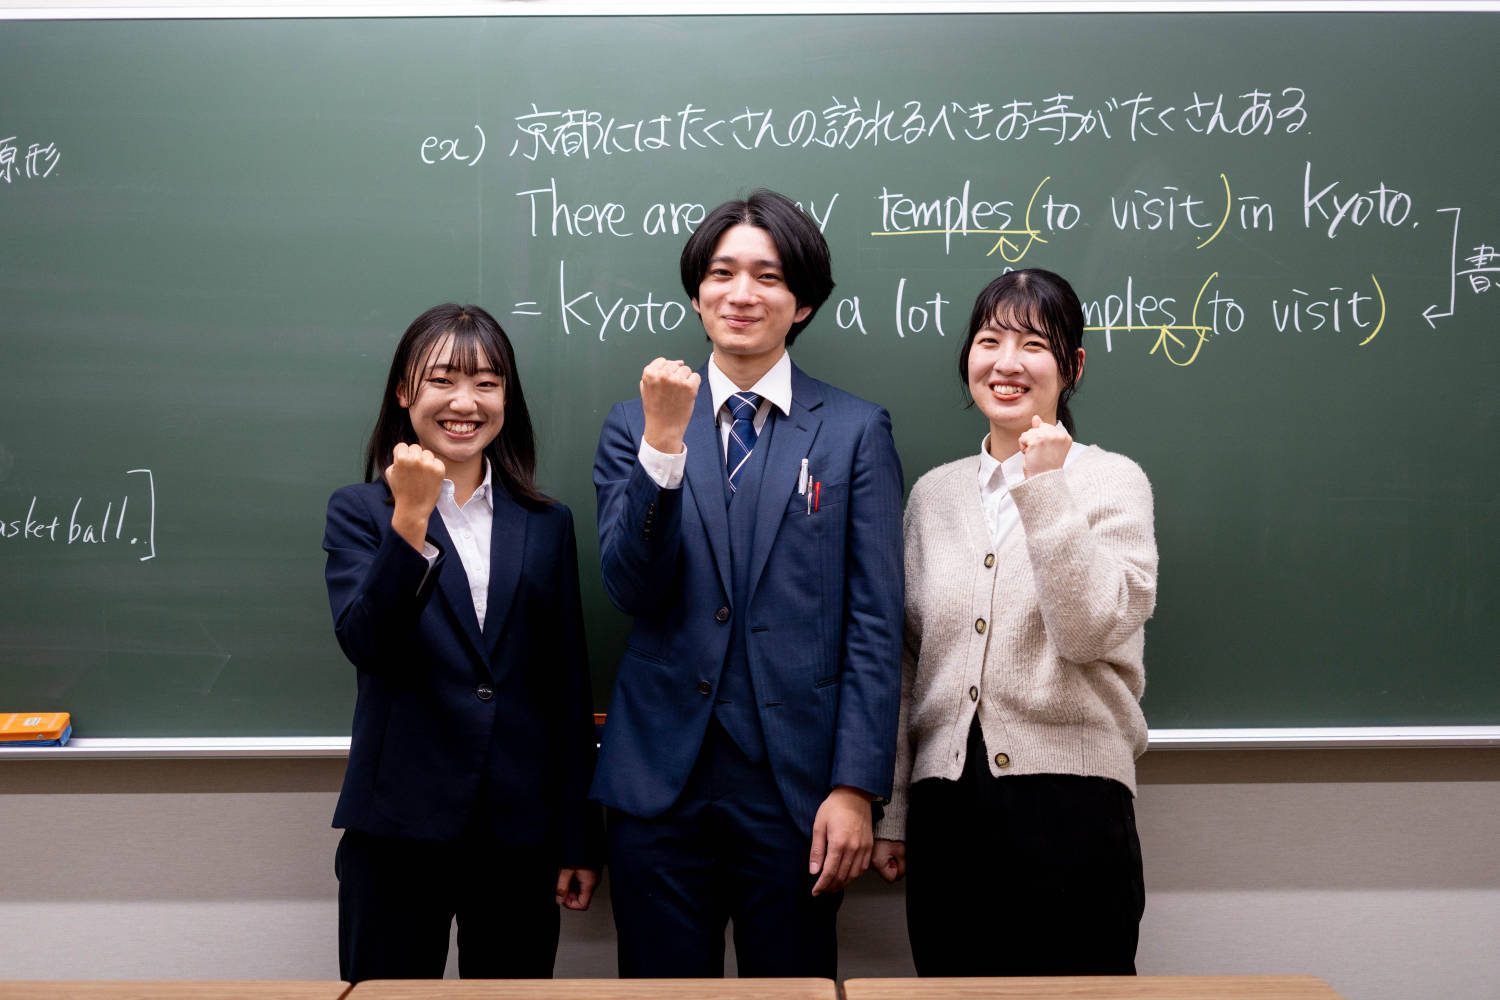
<point>1011,472</point>
<point>990,471</point>
<point>775,385</point>
<point>482,493</point>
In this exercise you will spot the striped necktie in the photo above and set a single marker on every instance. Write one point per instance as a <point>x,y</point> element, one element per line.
<point>742,407</point>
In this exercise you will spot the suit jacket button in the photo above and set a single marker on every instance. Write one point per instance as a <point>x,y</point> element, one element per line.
<point>705,688</point>
<point>484,692</point>
<point>722,615</point>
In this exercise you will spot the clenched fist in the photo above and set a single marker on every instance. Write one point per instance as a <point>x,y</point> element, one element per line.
<point>668,390</point>
<point>1044,447</point>
<point>415,477</point>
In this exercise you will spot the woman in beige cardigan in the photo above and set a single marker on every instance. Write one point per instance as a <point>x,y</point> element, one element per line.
<point>1030,573</point>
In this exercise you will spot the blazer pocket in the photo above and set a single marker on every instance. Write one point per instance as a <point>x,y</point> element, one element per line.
<point>640,654</point>
<point>830,495</point>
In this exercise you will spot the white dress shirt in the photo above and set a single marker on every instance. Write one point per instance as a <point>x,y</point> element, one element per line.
<point>995,481</point>
<point>774,388</point>
<point>469,527</point>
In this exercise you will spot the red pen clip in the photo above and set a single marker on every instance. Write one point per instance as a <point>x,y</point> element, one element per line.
<point>817,494</point>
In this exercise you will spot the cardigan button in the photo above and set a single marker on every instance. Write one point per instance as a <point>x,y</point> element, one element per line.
<point>1002,760</point>
<point>989,561</point>
<point>979,625</point>
<point>973,694</point>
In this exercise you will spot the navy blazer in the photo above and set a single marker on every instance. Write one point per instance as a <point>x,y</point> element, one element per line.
<point>824,611</point>
<point>445,711</point>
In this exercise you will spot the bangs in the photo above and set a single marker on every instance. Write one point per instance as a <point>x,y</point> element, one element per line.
<point>1020,312</point>
<point>469,355</point>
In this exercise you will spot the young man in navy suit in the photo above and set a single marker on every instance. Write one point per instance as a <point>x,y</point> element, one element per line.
<point>750,521</point>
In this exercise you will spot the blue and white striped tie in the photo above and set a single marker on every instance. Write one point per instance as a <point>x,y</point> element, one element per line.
<point>742,406</point>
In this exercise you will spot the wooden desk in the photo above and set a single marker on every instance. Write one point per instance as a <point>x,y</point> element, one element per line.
<point>153,990</point>
<point>1095,988</point>
<point>597,989</point>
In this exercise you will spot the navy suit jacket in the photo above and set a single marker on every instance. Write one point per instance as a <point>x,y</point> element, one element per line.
<point>824,614</point>
<point>447,712</point>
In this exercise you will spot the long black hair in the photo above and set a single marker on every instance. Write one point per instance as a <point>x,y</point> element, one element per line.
<point>1044,303</point>
<point>478,342</point>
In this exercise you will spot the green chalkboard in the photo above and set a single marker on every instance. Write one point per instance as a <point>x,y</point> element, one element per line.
<point>212,233</point>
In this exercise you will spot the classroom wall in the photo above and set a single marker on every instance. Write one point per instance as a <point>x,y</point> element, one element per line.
<point>1378,870</point>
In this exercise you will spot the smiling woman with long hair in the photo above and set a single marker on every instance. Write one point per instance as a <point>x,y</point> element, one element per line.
<point>454,589</point>
<point>1030,573</point>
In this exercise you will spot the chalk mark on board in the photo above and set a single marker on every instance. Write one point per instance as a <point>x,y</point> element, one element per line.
<point>151,534</point>
<point>1429,314</point>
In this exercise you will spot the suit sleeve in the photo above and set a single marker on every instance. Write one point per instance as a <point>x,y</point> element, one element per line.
<point>377,585</point>
<point>892,825</point>
<point>582,833</point>
<point>870,682</point>
<point>640,524</point>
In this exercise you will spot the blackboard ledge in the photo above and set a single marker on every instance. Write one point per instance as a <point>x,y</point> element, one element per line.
<point>1316,737</point>
<point>1311,738</point>
<point>163,748</point>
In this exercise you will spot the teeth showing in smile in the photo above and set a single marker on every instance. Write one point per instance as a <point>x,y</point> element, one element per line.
<point>457,427</point>
<point>1008,390</point>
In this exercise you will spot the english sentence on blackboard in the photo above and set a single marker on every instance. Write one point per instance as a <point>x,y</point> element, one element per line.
<point>1178,338</point>
<point>1164,207</point>
<point>89,522</point>
<point>553,215</point>
<point>1357,305</point>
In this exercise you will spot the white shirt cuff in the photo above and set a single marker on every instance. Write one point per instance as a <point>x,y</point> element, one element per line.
<point>665,470</point>
<point>430,553</point>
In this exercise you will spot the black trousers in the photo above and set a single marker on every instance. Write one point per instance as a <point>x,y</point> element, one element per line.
<point>1023,875</point>
<point>398,898</point>
<point>727,851</point>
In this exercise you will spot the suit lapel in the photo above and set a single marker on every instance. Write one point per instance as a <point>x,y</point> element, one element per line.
<point>791,442</point>
<point>507,549</point>
<point>453,583</point>
<point>704,477</point>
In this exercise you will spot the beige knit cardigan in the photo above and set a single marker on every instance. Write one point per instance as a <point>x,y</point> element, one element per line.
<point>1043,635</point>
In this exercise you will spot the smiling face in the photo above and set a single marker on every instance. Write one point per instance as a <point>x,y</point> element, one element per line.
<point>746,306</point>
<point>1013,376</point>
<point>455,414</point>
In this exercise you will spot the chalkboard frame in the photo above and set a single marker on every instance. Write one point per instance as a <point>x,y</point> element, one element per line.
<point>20,10</point>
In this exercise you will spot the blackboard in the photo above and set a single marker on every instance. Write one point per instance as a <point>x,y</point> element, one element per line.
<point>212,233</point>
